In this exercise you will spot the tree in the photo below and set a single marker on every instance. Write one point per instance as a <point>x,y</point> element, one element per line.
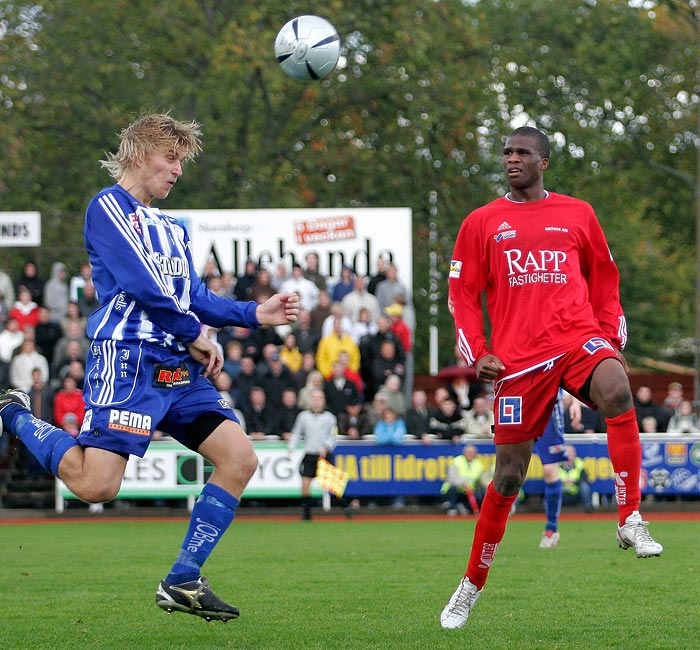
<point>414,115</point>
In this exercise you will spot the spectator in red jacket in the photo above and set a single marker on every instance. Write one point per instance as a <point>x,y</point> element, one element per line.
<point>399,327</point>
<point>25,311</point>
<point>69,399</point>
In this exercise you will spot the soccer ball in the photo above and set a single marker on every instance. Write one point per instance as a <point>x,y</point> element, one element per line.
<point>307,48</point>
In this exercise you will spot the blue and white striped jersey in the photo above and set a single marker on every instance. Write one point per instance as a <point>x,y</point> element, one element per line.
<point>145,279</point>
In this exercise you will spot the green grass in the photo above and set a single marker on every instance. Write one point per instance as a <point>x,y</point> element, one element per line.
<point>359,584</point>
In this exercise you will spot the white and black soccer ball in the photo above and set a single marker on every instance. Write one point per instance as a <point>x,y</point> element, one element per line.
<point>307,48</point>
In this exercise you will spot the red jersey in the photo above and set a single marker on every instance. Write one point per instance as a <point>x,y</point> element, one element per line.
<point>549,278</point>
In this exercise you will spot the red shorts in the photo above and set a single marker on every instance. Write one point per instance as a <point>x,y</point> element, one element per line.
<point>524,401</point>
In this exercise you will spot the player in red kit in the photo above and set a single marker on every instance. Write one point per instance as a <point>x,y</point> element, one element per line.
<point>552,292</point>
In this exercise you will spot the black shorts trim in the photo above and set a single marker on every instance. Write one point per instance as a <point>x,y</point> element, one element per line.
<point>200,429</point>
<point>585,391</point>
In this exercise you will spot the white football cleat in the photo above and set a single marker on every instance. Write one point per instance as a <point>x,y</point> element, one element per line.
<point>457,611</point>
<point>549,541</point>
<point>634,534</point>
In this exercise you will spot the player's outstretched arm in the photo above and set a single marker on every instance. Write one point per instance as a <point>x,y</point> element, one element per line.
<point>280,309</point>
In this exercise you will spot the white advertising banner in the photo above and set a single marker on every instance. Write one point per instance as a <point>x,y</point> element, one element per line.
<point>352,236</point>
<point>170,471</point>
<point>20,229</point>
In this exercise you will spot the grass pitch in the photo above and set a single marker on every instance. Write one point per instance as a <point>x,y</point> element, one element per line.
<point>350,585</point>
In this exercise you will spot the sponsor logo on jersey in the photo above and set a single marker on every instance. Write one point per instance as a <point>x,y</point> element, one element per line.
<point>120,302</point>
<point>455,268</point>
<point>175,267</point>
<point>555,229</point>
<point>535,267</point>
<point>593,345</point>
<point>150,216</point>
<point>504,226</point>
<point>134,218</point>
<point>501,236</point>
<point>130,422</point>
<point>170,376</point>
<point>510,410</point>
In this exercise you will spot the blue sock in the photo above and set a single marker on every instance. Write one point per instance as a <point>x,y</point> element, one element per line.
<point>211,516</point>
<point>552,504</point>
<point>46,442</point>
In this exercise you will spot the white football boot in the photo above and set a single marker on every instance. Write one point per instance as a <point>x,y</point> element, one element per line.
<point>549,541</point>
<point>457,611</point>
<point>634,534</point>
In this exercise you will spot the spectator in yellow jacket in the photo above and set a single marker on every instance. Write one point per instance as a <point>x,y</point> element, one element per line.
<point>329,347</point>
<point>464,482</point>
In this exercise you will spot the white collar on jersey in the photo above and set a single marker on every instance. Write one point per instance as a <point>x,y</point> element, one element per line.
<point>509,198</point>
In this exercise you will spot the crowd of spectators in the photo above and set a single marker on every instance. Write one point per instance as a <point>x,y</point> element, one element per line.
<point>43,342</point>
<point>353,339</point>
<point>350,341</point>
<point>676,415</point>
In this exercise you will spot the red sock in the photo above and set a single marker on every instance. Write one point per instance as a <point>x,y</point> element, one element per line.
<point>473,503</point>
<point>488,534</point>
<point>626,457</point>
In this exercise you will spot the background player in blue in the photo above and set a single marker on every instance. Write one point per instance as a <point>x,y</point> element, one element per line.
<point>149,363</point>
<point>551,450</point>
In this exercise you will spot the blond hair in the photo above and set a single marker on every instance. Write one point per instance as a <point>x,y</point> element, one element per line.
<point>149,133</point>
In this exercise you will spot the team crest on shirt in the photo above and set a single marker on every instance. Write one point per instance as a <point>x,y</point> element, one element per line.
<point>455,268</point>
<point>510,410</point>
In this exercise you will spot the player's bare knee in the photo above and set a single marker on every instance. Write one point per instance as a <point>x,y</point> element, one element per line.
<point>508,483</point>
<point>95,493</point>
<point>249,464</point>
<point>616,401</point>
<point>237,468</point>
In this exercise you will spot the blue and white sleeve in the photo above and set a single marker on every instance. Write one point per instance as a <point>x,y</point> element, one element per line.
<point>111,239</point>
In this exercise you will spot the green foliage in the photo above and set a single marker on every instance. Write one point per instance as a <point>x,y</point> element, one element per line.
<point>414,116</point>
<point>360,585</point>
